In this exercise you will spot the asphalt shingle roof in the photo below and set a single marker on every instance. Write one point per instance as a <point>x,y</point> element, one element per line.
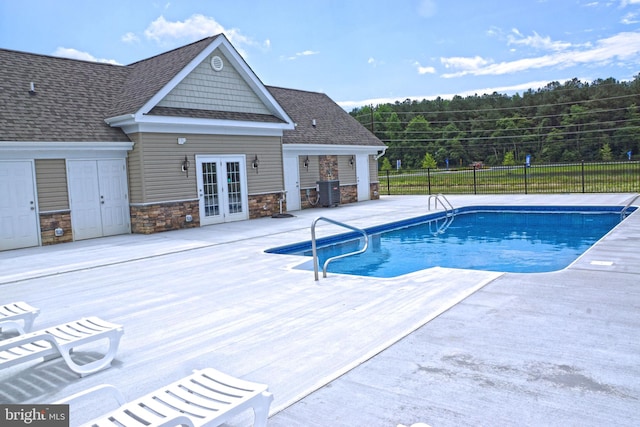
<point>333,125</point>
<point>73,98</point>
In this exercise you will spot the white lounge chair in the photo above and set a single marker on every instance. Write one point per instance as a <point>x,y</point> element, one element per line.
<point>12,314</point>
<point>206,398</point>
<point>59,341</point>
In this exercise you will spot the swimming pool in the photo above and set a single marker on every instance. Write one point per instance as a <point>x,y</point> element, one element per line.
<point>524,239</point>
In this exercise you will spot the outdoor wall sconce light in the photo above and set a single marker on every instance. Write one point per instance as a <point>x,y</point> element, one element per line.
<point>351,161</point>
<point>306,163</point>
<point>181,141</point>
<point>185,166</point>
<point>255,163</point>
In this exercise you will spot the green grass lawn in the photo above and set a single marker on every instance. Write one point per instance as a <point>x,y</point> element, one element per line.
<point>572,178</point>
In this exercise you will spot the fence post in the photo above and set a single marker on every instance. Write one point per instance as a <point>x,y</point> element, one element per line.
<point>429,179</point>
<point>583,176</point>
<point>525,179</point>
<point>388,184</point>
<point>475,190</point>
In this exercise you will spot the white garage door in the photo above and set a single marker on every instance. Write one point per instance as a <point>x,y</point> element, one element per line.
<point>18,216</point>
<point>98,198</point>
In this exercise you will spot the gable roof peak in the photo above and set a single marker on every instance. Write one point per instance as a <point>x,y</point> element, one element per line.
<point>152,79</point>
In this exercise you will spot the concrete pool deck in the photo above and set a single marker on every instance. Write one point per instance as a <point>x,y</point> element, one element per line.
<point>444,347</point>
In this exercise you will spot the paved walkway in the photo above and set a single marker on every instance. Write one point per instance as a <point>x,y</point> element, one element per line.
<point>552,348</point>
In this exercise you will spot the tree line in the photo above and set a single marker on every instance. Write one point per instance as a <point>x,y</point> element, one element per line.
<point>569,122</point>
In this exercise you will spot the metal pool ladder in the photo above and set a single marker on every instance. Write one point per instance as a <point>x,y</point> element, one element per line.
<point>315,251</point>
<point>448,207</point>
<point>449,211</point>
<point>623,212</point>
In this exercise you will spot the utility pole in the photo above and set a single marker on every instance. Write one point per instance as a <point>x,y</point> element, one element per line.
<point>373,129</point>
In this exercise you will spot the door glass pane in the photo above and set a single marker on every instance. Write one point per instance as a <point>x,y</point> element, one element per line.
<point>210,184</point>
<point>234,191</point>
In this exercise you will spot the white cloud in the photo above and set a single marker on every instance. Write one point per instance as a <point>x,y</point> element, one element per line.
<point>197,27</point>
<point>622,46</point>
<point>494,32</point>
<point>71,53</point>
<point>424,70</point>
<point>625,3</point>
<point>374,62</point>
<point>467,64</point>
<point>536,41</point>
<point>630,18</point>
<point>522,87</point>
<point>130,38</point>
<point>303,53</point>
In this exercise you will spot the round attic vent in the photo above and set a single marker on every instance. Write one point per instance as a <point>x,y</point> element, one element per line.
<point>216,63</point>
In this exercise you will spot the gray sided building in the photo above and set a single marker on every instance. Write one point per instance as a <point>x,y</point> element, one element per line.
<point>187,138</point>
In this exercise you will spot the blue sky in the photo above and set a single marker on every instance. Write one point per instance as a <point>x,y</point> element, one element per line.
<point>357,52</point>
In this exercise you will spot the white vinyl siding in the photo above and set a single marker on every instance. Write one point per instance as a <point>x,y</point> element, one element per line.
<point>206,89</point>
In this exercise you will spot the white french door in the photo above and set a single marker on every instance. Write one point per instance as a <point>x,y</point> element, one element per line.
<point>362,176</point>
<point>292,182</point>
<point>98,198</point>
<point>222,188</point>
<point>18,216</point>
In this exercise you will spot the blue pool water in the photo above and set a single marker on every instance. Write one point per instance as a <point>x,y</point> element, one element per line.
<point>507,239</point>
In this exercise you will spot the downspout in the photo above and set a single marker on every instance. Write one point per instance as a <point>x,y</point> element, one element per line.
<point>380,154</point>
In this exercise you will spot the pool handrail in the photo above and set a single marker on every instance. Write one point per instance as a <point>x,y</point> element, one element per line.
<point>448,207</point>
<point>315,251</point>
<point>440,229</point>
<point>449,211</point>
<point>627,206</point>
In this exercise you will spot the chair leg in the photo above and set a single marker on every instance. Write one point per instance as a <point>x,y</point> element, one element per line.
<point>261,409</point>
<point>10,324</point>
<point>28,323</point>
<point>96,365</point>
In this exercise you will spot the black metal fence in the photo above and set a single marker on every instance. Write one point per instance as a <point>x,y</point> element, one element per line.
<point>602,177</point>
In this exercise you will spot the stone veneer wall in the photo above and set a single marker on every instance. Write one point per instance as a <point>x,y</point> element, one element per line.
<point>328,168</point>
<point>49,222</point>
<point>172,216</point>
<point>149,219</point>
<point>348,194</point>
<point>159,217</point>
<point>264,205</point>
<point>374,191</point>
<point>313,196</point>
